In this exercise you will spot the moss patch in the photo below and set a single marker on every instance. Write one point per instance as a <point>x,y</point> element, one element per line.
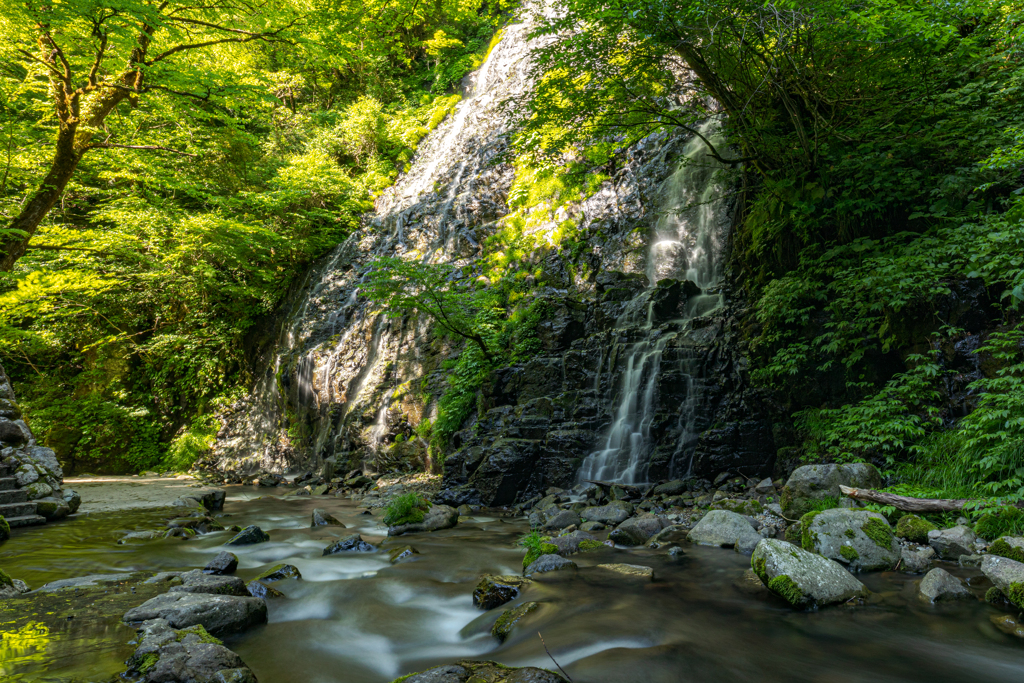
<point>786,588</point>
<point>5,529</point>
<point>1016,594</point>
<point>993,596</point>
<point>533,554</point>
<point>913,528</point>
<point>409,508</point>
<point>201,632</point>
<point>1003,549</point>
<point>758,565</point>
<point>849,553</point>
<point>508,619</point>
<point>587,544</point>
<point>793,532</point>
<point>879,532</point>
<point>146,662</point>
<point>808,538</point>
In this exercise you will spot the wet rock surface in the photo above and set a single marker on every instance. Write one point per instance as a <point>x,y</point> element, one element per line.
<point>494,591</point>
<point>491,672</point>
<point>218,614</point>
<point>938,585</point>
<point>725,529</point>
<point>168,655</point>
<point>861,540</point>
<point>802,578</point>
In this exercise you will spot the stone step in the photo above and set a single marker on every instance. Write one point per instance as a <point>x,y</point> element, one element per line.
<point>8,483</point>
<point>25,520</point>
<point>17,509</point>
<point>13,496</point>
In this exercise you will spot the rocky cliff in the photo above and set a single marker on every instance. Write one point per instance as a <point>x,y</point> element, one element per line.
<point>344,386</point>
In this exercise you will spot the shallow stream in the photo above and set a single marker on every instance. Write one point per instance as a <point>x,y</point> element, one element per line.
<point>358,619</point>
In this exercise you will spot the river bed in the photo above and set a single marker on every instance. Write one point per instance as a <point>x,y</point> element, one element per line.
<point>355,618</point>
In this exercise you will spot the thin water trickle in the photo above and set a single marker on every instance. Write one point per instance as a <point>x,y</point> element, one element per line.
<point>686,244</point>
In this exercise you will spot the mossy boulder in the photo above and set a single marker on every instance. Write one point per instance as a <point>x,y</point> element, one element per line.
<point>5,529</point>
<point>438,517</point>
<point>1008,546</point>
<point>802,578</point>
<point>914,528</point>
<point>494,591</point>
<point>280,572</point>
<point>740,507</point>
<point>1007,575</point>
<point>816,482</point>
<point>860,539</point>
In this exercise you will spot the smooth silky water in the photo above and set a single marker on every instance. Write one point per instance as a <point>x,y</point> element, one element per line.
<point>358,619</point>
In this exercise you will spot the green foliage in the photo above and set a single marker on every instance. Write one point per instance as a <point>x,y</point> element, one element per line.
<point>536,545</point>
<point>192,443</point>
<point>822,504</point>
<point>408,508</point>
<point>999,521</point>
<point>125,324</point>
<point>1015,594</point>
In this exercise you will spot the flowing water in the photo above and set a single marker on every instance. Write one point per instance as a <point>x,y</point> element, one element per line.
<point>686,244</point>
<point>358,619</point>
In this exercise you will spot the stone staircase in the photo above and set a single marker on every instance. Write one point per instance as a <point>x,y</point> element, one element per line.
<point>15,507</point>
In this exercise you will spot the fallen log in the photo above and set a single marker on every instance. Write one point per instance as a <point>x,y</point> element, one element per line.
<point>906,503</point>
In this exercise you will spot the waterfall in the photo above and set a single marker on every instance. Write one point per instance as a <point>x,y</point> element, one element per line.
<point>686,244</point>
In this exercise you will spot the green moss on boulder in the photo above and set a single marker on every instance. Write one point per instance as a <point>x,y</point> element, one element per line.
<point>849,552</point>
<point>914,528</point>
<point>879,532</point>
<point>786,588</point>
<point>1004,549</point>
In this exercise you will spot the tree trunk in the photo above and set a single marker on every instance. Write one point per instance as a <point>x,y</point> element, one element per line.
<point>65,161</point>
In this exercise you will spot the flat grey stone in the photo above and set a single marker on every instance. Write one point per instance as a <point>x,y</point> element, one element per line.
<point>950,544</point>
<point>726,530</point>
<point>197,581</point>
<point>216,613</point>
<point>1002,571</point>
<point>549,563</point>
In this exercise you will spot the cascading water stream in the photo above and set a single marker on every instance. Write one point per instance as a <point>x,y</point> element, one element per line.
<point>686,244</point>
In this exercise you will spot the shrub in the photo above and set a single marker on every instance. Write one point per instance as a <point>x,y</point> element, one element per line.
<point>408,508</point>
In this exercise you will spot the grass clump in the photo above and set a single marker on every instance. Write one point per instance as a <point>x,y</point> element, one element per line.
<point>408,508</point>
<point>914,528</point>
<point>1003,549</point>
<point>536,545</point>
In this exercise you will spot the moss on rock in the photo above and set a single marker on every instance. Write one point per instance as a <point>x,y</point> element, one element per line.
<point>1015,594</point>
<point>509,618</point>
<point>879,532</point>
<point>808,538</point>
<point>914,528</point>
<point>588,544</point>
<point>201,632</point>
<point>1003,549</point>
<point>786,588</point>
<point>5,580</point>
<point>793,533</point>
<point>849,553</point>
<point>994,596</point>
<point>5,529</point>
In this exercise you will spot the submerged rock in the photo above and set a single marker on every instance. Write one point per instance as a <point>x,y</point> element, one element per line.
<point>494,591</point>
<point>950,544</point>
<point>249,535</point>
<point>726,530</point>
<point>1010,625</point>
<point>139,536</point>
<point>349,544</point>
<point>321,517</point>
<point>860,539</point>
<point>509,618</point>
<point>216,613</point>
<point>633,571</point>
<point>817,482</point>
<point>437,517</point>
<point>802,578</point>
<point>549,563</point>
<point>224,563</point>
<point>939,585</point>
<point>405,552</point>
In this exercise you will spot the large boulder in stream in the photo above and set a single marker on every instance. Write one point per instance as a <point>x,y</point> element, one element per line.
<point>951,543</point>
<point>248,536</point>
<point>168,655</point>
<point>437,517</point>
<point>218,614</point>
<point>637,530</point>
<point>726,530</point>
<point>615,512</point>
<point>1007,575</point>
<point>197,581</point>
<point>860,539</point>
<point>802,578</point>
<point>494,591</point>
<point>817,482</point>
<point>938,585</point>
<point>491,672</point>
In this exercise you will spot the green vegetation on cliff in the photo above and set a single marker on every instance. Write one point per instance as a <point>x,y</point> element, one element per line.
<point>205,155</point>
